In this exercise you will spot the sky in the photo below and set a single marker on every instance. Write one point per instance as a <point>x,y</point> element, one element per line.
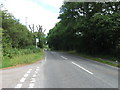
<point>38,12</point>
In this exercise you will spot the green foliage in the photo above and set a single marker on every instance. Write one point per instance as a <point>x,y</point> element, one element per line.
<point>11,52</point>
<point>18,43</point>
<point>16,38</point>
<point>15,35</point>
<point>90,27</point>
<point>0,46</point>
<point>22,59</point>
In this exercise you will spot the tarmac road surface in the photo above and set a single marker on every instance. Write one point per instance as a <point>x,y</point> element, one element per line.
<point>61,70</point>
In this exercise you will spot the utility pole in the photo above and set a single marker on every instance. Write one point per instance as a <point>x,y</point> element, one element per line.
<point>26,21</point>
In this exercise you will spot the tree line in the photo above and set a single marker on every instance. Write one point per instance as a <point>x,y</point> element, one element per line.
<point>90,27</point>
<point>16,38</point>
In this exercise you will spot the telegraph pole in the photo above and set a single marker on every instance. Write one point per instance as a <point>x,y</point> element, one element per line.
<point>26,21</point>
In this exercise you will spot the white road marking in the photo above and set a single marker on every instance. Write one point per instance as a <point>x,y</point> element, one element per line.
<point>18,86</point>
<point>25,75</point>
<point>38,67</point>
<point>63,57</point>
<point>34,75</point>
<point>82,68</point>
<point>22,80</point>
<point>32,80</point>
<point>31,85</point>
<point>29,71</point>
<point>36,72</point>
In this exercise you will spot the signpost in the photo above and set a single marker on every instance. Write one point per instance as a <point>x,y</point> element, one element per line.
<point>39,32</point>
<point>37,40</point>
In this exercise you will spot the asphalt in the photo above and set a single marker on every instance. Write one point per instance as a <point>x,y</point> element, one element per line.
<point>61,70</point>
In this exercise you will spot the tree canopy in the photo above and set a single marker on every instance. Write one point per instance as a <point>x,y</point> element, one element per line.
<point>14,33</point>
<point>91,27</point>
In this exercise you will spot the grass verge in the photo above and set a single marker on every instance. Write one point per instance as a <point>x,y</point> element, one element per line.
<point>22,59</point>
<point>107,60</point>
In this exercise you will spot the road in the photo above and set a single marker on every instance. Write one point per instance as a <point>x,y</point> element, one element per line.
<point>61,70</point>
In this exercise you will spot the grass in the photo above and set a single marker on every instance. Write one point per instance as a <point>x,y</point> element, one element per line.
<point>22,59</point>
<point>99,58</point>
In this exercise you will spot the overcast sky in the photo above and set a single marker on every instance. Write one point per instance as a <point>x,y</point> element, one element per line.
<point>42,12</point>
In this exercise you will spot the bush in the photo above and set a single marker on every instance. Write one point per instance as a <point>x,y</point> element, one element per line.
<point>11,52</point>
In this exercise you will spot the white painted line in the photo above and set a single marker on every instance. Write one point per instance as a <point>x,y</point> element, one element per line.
<point>18,86</point>
<point>28,71</point>
<point>25,75</point>
<point>32,80</point>
<point>82,68</point>
<point>22,80</point>
<point>31,85</point>
<point>63,57</point>
<point>38,67</point>
<point>36,72</point>
<point>34,75</point>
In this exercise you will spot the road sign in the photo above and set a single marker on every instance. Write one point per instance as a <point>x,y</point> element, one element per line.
<point>37,40</point>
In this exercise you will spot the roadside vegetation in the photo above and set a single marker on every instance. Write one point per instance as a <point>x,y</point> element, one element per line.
<point>106,59</point>
<point>23,58</point>
<point>18,43</point>
<point>89,28</point>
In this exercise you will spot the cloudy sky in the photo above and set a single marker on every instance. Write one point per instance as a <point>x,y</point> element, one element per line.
<point>42,12</point>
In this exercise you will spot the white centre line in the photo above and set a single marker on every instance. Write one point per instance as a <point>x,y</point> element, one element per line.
<point>63,57</point>
<point>82,68</point>
<point>18,86</point>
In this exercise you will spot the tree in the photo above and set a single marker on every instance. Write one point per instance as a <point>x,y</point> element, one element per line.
<point>91,27</point>
<point>14,33</point>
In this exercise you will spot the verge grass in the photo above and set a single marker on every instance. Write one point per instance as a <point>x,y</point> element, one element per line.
<point>100,58</point>
<point>22,59</point>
